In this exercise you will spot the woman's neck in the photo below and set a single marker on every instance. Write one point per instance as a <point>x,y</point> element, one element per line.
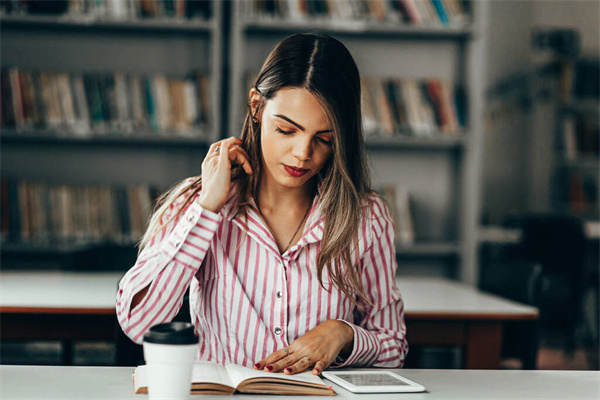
<point>273,198</point>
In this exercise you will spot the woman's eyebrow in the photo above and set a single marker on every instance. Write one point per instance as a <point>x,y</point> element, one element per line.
<point>297,124</point>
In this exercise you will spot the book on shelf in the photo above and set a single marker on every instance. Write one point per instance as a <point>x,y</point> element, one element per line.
<point>95,104</point>
<point>212,378</point>
<point>397,199</point>
<point>581,138</point>
<point>576,191</point>
<point>416,107</point>
<point>42,213</point>
<point>112,9</point>
<point>445,13</point>
<point>413,107</point>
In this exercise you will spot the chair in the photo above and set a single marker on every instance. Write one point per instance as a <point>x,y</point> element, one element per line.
<point>555,245</point>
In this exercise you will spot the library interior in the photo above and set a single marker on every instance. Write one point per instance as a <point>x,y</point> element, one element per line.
<point>481,121</point>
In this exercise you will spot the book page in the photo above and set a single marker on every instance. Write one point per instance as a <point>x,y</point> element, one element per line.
<point>202,372</point>
<point>239,373</point>
<point>211,372</point>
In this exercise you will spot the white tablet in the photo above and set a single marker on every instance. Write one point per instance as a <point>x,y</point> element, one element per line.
<point>373,382</point>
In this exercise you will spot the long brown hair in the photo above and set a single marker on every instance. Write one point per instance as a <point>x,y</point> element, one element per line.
<point>325,67</point>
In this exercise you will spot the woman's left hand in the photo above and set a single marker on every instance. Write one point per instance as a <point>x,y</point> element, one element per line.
<point>319,347</point>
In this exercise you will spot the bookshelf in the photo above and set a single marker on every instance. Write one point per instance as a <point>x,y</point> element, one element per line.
<point>441,172</point>
<point>574,187</point>
<point>106,41</point>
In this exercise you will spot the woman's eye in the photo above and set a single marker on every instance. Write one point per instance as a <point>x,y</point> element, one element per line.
<point>325,141</point>
<point>278,129</point>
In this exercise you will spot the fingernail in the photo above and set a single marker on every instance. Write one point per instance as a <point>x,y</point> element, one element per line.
<point>288,370</point>
<point>269,368</point>
<point>257,365</point>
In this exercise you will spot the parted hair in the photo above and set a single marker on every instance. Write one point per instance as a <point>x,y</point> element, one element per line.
<point>323,66</point>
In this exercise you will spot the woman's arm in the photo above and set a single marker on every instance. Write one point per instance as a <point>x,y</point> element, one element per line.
<point>152,291</point>
<point>379,331</point>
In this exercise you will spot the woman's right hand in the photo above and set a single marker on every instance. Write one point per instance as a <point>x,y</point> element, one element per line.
<point>216,172</point>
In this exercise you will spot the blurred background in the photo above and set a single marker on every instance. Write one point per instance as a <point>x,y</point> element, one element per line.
<point>481,120</point>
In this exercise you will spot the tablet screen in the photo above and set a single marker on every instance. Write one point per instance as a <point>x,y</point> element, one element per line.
<point>372,379</point>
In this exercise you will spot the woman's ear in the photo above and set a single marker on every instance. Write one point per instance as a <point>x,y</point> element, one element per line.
<point>255,100</point>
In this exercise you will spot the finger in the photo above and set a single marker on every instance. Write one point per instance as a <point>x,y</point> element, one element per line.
<point>319,367</point>
<point>273,358</point>
<point>237,154</point>
<point>232,139</point>
<point>283,363</point>
<point>299,366</point>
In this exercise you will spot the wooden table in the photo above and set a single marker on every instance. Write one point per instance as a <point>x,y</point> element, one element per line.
<point>441,312</point>
<point>72,306</point>
<point>35,382</point>
<point>64,306</point>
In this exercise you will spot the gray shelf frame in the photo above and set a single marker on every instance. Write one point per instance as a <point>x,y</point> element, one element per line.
<point>171,26</point>
<point>147,139</point>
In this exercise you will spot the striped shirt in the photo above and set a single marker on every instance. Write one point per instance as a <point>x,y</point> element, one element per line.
<point>247,300</point>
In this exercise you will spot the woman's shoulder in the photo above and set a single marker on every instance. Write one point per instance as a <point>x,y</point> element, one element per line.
<point>376,213</point>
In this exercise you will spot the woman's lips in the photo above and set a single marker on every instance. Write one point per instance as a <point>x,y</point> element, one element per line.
<point>295,172</point>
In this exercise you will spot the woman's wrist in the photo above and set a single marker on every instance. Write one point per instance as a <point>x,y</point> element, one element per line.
<point>348,342</point>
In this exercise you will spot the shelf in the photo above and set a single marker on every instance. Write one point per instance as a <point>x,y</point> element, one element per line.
<point>362,28</point>
<point>589,106</point>
<point>585,162</point>
<point>17,248</point>
<point>431,249</point>
<point>56,248</point>
<point>435,142</point>
<point>92,23</point>
<point>143,139</point>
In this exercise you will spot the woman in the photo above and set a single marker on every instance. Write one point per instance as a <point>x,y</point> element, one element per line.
<point>288,254</point>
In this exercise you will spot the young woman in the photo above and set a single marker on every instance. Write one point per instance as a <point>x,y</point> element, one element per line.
<point>288,254</point>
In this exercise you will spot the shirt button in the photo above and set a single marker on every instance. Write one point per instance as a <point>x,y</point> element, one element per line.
<point>177,243</point>
<point>191,217</point>
<point>277,331</point>
<point>279,294</point>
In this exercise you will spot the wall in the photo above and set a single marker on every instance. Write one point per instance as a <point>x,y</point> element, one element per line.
<point>505,156</point>
<point>519,148</point>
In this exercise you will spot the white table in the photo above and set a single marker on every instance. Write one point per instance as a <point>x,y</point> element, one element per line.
<point>441,312</point>
<point>35,382</point>
<point>81,306</point>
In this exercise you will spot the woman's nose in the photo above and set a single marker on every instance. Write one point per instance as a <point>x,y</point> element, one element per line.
<point>303,149</point>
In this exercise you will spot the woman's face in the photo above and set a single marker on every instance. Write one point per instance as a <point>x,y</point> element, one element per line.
<point>295,137</point>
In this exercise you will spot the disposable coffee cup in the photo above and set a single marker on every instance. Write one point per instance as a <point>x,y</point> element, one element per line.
<point>170,350</point>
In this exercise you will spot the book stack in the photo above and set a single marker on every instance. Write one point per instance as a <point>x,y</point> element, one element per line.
<point>581,138</point>
<point>88,104</point>
<point>37,212</point>
<point>112,9</point>
<point>445,13</point>
<point>413,107</point>
<point>397,199</point>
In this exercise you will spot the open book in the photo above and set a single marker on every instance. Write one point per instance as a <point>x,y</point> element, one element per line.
<point>212,378</point>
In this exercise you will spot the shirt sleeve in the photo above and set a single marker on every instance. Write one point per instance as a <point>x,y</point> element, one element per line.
<point>167,264</point>
<point>379,330</point>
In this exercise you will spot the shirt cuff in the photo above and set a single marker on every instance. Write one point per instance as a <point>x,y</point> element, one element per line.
<point>204,223</point>
<point>364,349</point>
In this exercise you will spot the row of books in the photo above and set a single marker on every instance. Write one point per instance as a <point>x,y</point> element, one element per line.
<point>419,107</point>
<point>418,12</point>
<point>87,104</point>
<point>581,138</point>
<point>111,9</point>
<point>39,212</point>
<point>398,202</point>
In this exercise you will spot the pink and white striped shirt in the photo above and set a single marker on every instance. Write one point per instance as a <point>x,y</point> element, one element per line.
<point>247,300</point>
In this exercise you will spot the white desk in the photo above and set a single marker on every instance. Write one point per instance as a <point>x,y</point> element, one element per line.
<point>79,306</point>
<point>441,312</point>
<point>34,382</point>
